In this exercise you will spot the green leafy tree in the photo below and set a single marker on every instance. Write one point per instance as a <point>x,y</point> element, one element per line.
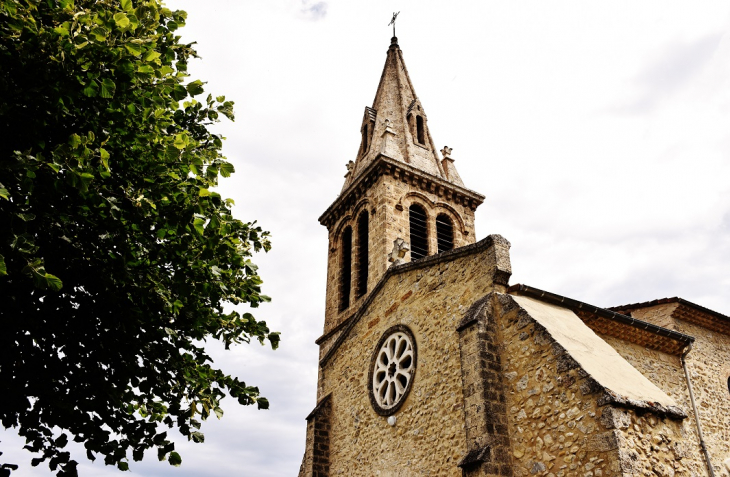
<point>116,256</point>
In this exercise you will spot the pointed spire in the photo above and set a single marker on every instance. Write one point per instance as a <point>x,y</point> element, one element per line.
<point>397,126</point>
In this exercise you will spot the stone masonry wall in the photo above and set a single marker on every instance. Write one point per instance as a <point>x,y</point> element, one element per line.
<point>660,315</point>
<point>555,421</point>
<point>428,437</point>
<point>665,371</point>
<point>387,202</point>
<point>709,367</point>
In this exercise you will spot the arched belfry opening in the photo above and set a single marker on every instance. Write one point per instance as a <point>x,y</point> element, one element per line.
<point>362,253</point>
<point>345,268</point>
<point>417,220</point>
<point>444,233</point>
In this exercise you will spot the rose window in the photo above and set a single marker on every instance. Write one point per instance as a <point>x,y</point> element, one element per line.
<point>393,369</point>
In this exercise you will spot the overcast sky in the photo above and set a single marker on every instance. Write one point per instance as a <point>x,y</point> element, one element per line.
<point>599,133</point>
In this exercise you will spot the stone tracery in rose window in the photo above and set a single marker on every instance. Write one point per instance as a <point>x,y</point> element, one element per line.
<point>392,370</point>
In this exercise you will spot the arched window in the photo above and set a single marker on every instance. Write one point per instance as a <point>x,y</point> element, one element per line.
<point>346,268</point>
<point>419,130</point>
<point>364,138</point>
<point>362,254</point>
<point>444,233</point>
<point>419,232</point>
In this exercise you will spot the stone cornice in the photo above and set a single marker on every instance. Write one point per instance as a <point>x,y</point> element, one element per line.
<point>400,170</point>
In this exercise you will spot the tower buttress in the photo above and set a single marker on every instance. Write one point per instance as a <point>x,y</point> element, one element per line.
<point>397,187</point>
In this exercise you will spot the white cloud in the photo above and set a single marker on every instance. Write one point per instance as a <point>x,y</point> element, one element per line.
<point>314,10</point>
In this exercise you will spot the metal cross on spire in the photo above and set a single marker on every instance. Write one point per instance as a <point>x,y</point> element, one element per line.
<point>392,22</point>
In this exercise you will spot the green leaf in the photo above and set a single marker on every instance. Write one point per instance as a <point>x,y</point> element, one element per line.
<point>199,225</point>
<point>227,169</point>
<point>262,403</point>
<point>92,89</point>
<point>151,55</point>
<point>195,88</point>
<point>104,157</point>
<point>123,466</point>
<point>99,34</point>
<point>181,141</point>
<point>62,30</point>
<point>74,140</point>
<point>175,459</point>
<point>179,92</point>
<point>127,5</point>
<point>3,267</point>
<point>4,193</point>
<point>197,437</point>
<point>108,88</point>
<point>133,48</point>
<point>121,20</point>
<point>55,284</point>
<point>203,192</point>
<point>63,438</point>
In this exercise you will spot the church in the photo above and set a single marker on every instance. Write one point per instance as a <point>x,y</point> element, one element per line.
<point>432,363</point>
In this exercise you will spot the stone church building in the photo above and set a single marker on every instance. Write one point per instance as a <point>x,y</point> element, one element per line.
<point>431,363</point>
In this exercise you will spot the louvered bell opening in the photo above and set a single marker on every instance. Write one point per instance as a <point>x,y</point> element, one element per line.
<point>444,233</point>
<point>362,254</point>
<point>419,232</point>
<point>346,268</point>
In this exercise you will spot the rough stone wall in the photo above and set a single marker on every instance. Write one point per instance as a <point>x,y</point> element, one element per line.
<point>659,442</point>
<point>660,315</point>
<point>554,417</point>
<point>428,437</point>
<point>655,446</point>
<point>709,367</point>
<point>387,203</point>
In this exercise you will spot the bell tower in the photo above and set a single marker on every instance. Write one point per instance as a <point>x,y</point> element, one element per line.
<point>398,187</point>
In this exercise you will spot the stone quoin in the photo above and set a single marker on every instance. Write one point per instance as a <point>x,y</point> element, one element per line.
<point>432,364</point>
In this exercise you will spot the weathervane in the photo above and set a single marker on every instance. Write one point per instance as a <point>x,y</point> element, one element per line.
<point>392,22</point>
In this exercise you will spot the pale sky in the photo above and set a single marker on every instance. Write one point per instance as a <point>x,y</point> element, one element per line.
<point>599,133</point>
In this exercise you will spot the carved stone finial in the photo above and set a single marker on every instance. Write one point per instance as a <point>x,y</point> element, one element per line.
<point>446,151</point>
<point>350,165</point>
<point>400,248</point>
